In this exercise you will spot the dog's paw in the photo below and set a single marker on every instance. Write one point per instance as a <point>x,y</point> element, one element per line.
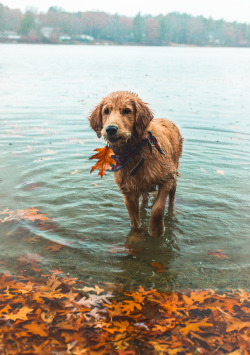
<point>156,230</point>
<point>136,228</point>
<point>134,238</point>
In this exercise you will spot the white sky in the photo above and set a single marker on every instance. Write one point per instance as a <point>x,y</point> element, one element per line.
<point>230,10</point>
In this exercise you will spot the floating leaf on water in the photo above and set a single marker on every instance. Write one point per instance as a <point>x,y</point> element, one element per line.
<point>27,213</point>
<point>220,172</point>
<point>203,170</point>
<point>218,253</point>
<point>75,172</point>
<point>42,158</point>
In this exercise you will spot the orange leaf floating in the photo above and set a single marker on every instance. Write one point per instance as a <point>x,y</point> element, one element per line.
<point>104,156</point>
<point>27,213</point>
<point>218,253</point>
<point>31,214</point>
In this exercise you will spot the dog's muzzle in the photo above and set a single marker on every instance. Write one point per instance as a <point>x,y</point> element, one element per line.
<point>111,133</point>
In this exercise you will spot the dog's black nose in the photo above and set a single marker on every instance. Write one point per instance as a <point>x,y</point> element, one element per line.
<point>111,130</point>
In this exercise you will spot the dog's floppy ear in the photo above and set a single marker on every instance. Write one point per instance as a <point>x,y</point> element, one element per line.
<point>95,120</point>
<point>143,116</point>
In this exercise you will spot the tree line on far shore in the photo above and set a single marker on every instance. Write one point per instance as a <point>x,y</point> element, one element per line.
<point>169,29</point>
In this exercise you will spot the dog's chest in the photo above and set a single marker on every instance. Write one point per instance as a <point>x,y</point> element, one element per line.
<point>143,181</point>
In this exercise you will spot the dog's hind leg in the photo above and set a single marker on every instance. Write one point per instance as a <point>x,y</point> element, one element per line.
<point>144,200</point>
<point>171,199</point>
<point>156,224</point>
<point>172,193</point>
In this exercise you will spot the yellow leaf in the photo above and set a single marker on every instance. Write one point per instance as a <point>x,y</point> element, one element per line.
<point>194,326</point>
<point>7,294</point>
<point>130,306</point>
<point>137,297</point>
<point>37,328</point>
<point>98,290</point>
<point>5,309</point>
<point>162,349</point>
<point>164,327</point>
<point>236,352</point>
<point>119,327</point>
<point>22,314</point>
<point>36,297</point>
<point>237,324</point>
<point>88,289</point>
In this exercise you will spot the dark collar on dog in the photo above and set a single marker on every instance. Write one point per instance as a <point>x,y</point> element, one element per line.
<point>124,156</point>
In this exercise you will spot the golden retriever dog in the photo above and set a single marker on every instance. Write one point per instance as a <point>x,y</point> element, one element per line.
<point>147,152</point>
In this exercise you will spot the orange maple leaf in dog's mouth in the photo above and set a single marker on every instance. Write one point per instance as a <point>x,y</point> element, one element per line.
<point>105,160</point>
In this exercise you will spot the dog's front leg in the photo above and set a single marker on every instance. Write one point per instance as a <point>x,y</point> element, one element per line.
<point>156,224</point>
<point>131,201</point>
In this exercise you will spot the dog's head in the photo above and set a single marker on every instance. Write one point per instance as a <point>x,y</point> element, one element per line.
<point>120,117</point>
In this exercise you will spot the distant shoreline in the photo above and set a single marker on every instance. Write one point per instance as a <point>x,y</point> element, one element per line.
<point>100,28</point>
<point>104,43</point>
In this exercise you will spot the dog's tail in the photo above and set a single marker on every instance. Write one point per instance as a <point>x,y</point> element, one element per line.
<point>181,139</point>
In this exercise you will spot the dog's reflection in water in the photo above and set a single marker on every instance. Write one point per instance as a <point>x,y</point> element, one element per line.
<point>144,252</point>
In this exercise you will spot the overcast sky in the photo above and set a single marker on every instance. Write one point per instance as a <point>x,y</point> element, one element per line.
<point>230,10</point>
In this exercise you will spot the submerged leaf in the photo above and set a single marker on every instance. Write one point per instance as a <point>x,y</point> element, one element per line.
<point>54,247</point>
<point>53,315</point>
<point>218,253</point>
<point>158,267</point>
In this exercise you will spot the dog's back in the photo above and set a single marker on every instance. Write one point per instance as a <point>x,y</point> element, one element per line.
<point>157,168</point>
<point>168,136</point>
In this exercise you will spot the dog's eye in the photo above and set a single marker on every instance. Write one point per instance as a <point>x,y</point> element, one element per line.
<point>106,111</point>
<point>126,111</point>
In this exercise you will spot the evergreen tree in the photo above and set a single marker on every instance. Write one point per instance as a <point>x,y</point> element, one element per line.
<point>27,23</point>
<point>138,28</point>
<point>2,18</point>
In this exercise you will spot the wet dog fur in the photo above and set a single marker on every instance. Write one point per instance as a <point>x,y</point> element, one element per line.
<point>123,119</point>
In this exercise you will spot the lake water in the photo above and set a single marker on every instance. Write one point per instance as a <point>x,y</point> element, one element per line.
<point>46,95</point>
